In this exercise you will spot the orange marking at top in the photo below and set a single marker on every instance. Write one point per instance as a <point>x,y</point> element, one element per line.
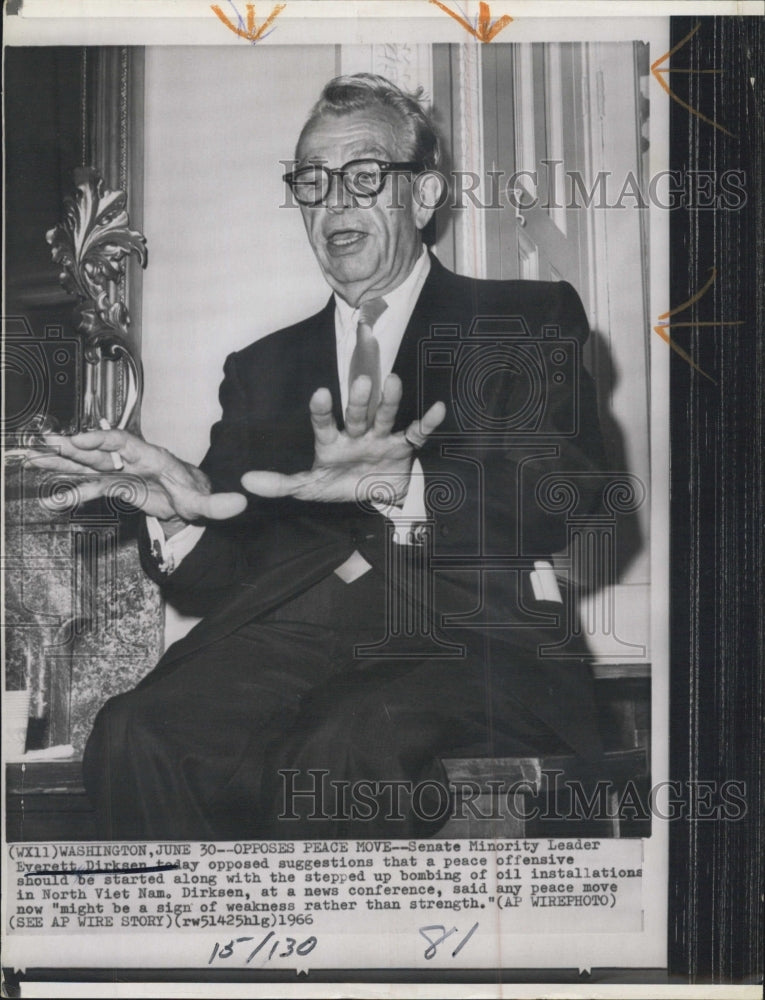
<point>251,33</point>
<point>657,69</point>
<point>485,31</point>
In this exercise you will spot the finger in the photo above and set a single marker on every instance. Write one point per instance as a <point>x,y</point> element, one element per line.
<point>419,431</point>
<point>91,489</point>
<point>220,506</point>
<point>55,463</point>
<point>388,408</point>
<point>100,440</point>
<point>273,484</point>
<point>114,446</point>
<point>71,460</point>
<point>100,459</point>
<point>324,427</point>
<point>357,411</point>
<point>68,495</point>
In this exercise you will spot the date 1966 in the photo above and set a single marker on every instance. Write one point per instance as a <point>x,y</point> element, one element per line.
<point>272,946</point>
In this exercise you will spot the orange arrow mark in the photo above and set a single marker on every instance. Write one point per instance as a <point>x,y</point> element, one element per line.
<point>485,31</point>
<point>657,70</point>
<point>663,327</point>
<point>251,33</point>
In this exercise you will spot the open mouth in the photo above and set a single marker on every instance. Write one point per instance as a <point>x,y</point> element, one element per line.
<point>345,241</point>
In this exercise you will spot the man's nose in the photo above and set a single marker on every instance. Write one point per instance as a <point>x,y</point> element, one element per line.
<point>338,198</point>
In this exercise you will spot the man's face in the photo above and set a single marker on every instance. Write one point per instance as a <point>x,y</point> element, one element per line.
<point>363,249</point>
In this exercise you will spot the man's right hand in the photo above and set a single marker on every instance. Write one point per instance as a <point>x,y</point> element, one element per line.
<point>171,490</point>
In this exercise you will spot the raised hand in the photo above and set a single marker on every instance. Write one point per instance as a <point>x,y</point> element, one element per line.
<point>167,487</point>
<point>357,463</point>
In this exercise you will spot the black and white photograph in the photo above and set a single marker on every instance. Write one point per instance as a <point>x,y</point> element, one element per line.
<point>339,579</point>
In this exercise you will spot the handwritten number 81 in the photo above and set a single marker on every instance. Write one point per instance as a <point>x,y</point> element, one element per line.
<point>434,941</point>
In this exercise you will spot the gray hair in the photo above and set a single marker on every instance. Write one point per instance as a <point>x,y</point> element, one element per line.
<point>366,92</point>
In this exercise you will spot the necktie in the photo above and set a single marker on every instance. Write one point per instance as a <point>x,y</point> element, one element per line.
<point>365,359</point>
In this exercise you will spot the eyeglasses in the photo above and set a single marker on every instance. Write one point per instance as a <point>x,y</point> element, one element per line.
<point>361,178</point>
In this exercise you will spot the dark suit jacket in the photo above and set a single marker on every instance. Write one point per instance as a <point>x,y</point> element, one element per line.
<point>505,356</point>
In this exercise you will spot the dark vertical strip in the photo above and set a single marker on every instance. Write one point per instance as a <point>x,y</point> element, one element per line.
<point>491,157</point>
<point>443,109</point>
<point>641,61</point>
<point>124,131</point>
<point>715,925</point>
<point>134,169</point>
<point>84,107</point>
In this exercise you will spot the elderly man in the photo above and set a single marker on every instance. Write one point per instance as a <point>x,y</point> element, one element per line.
<point>382,596</point>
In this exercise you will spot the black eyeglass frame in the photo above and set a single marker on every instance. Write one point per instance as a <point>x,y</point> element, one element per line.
<point>385,167</point>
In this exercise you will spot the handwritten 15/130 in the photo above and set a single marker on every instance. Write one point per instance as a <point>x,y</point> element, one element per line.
<point>291,946</point>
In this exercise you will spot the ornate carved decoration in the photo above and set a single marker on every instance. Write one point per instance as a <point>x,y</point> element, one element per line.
<point>91,245</point>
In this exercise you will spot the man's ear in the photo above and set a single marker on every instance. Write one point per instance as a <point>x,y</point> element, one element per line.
<point>429,193</point>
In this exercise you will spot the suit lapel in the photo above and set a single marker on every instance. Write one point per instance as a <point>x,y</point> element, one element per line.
<point>316,363</point>
<point>310,363</point>
<point>439,303</point>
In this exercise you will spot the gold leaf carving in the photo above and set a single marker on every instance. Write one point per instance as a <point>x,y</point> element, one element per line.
<point>91,246</point>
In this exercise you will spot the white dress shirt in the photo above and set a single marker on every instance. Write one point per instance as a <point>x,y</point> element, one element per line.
<point>389,331</point>
<point>389,328</point>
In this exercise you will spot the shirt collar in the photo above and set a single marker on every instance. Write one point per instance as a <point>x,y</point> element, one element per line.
<point>397,299</point>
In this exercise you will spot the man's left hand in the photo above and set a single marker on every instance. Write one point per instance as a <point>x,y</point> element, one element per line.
<point>357,463</point>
